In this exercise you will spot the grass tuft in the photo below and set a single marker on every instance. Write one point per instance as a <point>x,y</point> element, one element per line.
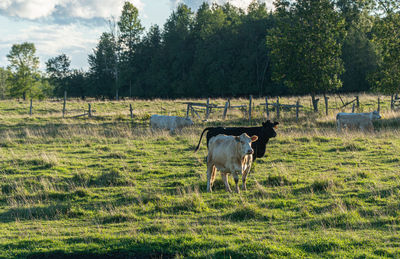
<point>246,212</point>
<point>114,177</point>
<point>322,185</point>
<point>277,180</point>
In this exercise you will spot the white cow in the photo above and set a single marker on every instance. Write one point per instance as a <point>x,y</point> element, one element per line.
<point>169,122</point>
<point>229,154</point>
<point>362,121</point>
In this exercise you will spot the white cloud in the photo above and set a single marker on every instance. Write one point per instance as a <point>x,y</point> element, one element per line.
<point>30,9</point>
<point>84,9</point>
<point>52,40</point>
<point>72,27</point>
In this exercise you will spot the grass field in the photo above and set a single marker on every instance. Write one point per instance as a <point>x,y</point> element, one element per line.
<point>110,187</point>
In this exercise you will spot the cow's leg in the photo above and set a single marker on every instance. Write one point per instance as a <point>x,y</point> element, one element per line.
<point>213,173</point>
<point>246,172</point>
<point>244,178</point>
<point>236,178</point>
<point>209,175</point>
<point>225,179</point>
<point>339,126</point>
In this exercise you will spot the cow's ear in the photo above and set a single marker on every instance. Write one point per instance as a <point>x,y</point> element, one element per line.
<point>237,138</point>
<point>276,124</point>
<point>254,138</point>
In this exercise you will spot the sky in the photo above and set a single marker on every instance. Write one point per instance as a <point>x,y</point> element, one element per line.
<point>73,27</point>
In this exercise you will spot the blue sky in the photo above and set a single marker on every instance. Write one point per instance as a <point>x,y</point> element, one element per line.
<point>73,27</point>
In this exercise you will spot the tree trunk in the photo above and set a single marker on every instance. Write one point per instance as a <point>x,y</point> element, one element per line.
<point>314,102</point>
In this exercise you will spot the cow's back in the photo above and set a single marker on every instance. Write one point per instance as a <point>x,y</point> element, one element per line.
<point>162,121</point>
<point>354,120</point>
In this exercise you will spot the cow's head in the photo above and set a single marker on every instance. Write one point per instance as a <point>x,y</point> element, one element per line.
<point>268,129</point>
<point>375,115</point>
<point>244,144</point>
<point>188,121</point>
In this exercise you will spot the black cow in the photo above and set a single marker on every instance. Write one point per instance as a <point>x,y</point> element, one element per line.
<point>263,133</point>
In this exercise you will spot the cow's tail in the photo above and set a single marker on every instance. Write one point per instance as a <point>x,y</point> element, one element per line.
<point>198,145</point>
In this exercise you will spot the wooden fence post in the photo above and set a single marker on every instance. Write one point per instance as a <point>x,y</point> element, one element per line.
<point>297,110</point>
<point>277,108</point>
<point>225,110</point>
<point>353,108</point>
<point>250,102</point>
<point>65,103</point>
<point>90,110</point>
<point>131,110</point>
<point>187,110</point>
<point>357,102</point>
<point>326,105</point>
<point>30,108</point>
<point>392,102</point>
<point>379,104</point>
<point>266,107</point>
<point>208,108</point>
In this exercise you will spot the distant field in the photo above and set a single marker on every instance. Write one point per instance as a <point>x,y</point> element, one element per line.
<point>109,186</point>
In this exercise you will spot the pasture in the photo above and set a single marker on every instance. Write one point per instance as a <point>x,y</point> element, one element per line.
<point>109,186</point>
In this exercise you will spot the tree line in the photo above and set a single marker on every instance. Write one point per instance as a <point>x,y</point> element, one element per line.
<point>301,47</point>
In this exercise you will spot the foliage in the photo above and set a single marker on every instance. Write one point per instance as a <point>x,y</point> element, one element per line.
<point>24,66</point>
<point>58,69</point>
<point>5,75</point>
<point>128,36</point>
<point>313,47</point>
<point>103,63</point>
<point>306,46</point>
<point>387,36</point>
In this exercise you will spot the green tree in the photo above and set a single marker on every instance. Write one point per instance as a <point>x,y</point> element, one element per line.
<point>24,66</point>
<point>360,59</point>
<point>129,36</point>
<point>178,51</point>
<point>58,69</point>
<point>78,84</point>
<point>208,34</point>
<point>306,46</point>
<point>386,34</point>
<point>102,64</point>
<point>130,28</point>
<point>5,75</point>
<point>148,76</point>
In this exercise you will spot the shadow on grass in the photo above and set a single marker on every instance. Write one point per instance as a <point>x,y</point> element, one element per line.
<point>90,255</point>
<point>51,212</point>
<point>97,247</point>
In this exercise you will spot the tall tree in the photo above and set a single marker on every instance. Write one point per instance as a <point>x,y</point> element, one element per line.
<point>129,35</point>
<point>78,84</point>
<point>358,53</point>
<point>178,50</point>
<point>58,69</point>
<point>387,37</point>
<point>306,46</point>
<point>5,75</point>
<point>130,28</point>
<point>24,66</point>
<point>148,76</point>
<point>102,65</point>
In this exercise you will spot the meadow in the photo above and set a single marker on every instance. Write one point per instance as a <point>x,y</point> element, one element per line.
<point>108,186</point>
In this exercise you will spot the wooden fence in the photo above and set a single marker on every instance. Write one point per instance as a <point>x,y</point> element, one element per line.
<point>195,109</point>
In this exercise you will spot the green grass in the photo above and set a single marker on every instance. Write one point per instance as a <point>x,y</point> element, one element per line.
<point>110,187</point>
